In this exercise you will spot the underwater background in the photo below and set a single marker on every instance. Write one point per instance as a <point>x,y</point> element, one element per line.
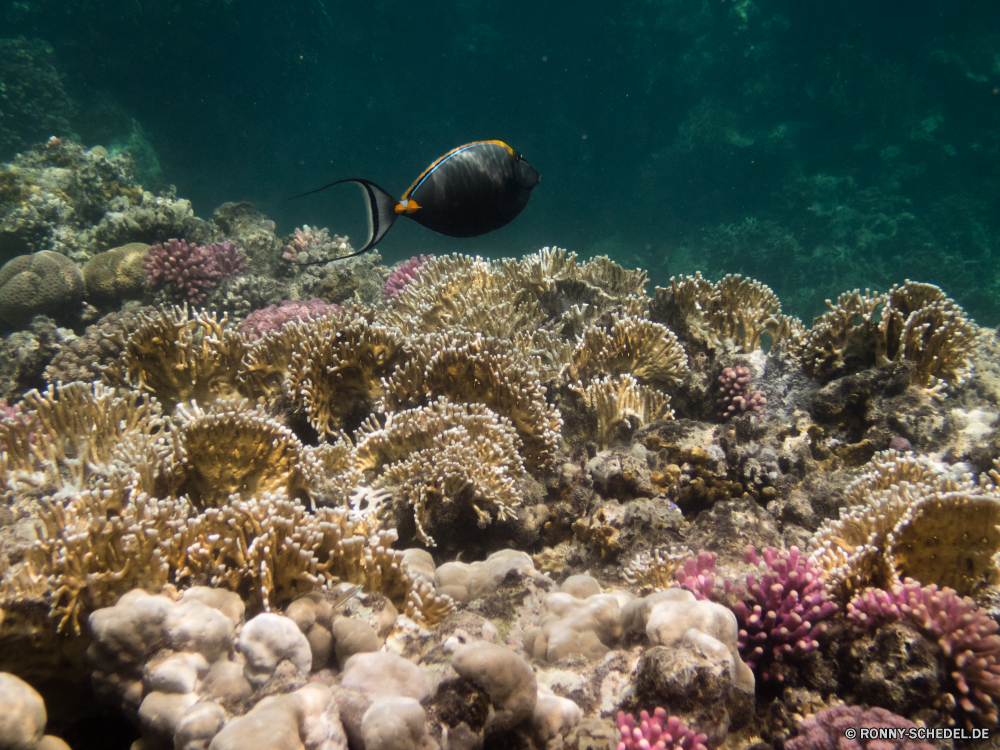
<point>814,147</point>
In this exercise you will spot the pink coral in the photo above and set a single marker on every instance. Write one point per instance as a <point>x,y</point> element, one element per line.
<point>967,636</point>
<point>828,730</point>
<point>697,574</point>
<point>274,317</point>
<point>192,270</point>
<point>402,276</point>
<point>657,732</point>
<point>785,612</point>
<point>735,397</point>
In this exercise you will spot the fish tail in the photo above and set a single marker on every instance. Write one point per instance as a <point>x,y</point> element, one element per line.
<point>381,214</point>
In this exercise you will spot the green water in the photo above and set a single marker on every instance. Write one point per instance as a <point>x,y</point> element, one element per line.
<point>817,147</point>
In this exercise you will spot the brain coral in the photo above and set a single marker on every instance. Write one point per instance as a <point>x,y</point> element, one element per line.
<point>117,274</point>
<point>45,282</point>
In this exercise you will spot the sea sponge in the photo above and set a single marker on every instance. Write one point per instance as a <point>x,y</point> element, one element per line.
<point>474,369</point>
<point>117,274</point>
<point>231,449</point>
<point>45,282</point>
<point>180,356</point>
<point>436,455</point>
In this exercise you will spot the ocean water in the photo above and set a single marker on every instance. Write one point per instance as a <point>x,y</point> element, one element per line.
<point>815,147</point>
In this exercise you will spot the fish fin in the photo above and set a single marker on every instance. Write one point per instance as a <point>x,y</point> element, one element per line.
<point>381,214</point>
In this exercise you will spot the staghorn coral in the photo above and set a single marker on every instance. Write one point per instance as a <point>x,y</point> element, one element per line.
<point>177,356</point>
<point>648,351</point>
<point>336,366</point>
<point>437,455</point>
<point>475,369</point>
<point>916,323</point>
<point>967,636</point>
<point>620,404</point>
<point>940,530</point>
<point>734,313</point>
<point>232,450</point>
<point>785,609</point>
<point>69,435</point>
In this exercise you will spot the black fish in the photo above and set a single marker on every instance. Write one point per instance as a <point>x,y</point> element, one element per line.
<point>471,190</point>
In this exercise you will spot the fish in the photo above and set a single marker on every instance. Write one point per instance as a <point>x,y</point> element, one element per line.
<point>471,190</point>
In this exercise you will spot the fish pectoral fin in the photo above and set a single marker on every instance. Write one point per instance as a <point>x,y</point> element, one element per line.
<point>381,211</point>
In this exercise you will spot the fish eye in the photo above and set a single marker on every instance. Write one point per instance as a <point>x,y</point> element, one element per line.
<point>517,156</point>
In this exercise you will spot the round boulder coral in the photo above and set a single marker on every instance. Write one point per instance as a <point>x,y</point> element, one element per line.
<point>116,274</point>
<point>45,282</point>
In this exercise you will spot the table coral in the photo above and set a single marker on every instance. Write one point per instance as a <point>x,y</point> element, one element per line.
<point>436,455</point>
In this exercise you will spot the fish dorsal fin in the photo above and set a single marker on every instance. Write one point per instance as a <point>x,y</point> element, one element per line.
<point>381,214</point>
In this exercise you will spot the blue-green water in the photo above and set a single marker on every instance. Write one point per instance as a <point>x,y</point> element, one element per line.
<point>814,146</point>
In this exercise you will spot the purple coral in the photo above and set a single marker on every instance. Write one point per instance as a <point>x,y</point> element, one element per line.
<point>192,270</point>
<point>735,396</point>
<point>272,318</point>
<point>967,636</point>
<point>828,730</point>
<point>402,276</point>
<point>657,732</point>
<point>785,609</point>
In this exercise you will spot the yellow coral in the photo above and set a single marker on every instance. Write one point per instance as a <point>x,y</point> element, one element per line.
<point>180,357</point>
<point>473,369</point>
<point>444,453</point>
<point>656,568</point>
<point>622,402</point>
<point>848,330</point>
<point>647,350</point>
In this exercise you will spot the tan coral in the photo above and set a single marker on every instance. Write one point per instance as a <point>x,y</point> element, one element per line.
<point>639,347</point>
<point>116,274</point>
<point>443,453</point>
<point>621,402</point>
<point>179,356</point>
<point>848,330</point>
<point>655,569</point>
<point>887,468</point>
<point>474,369</point>
<point>336,369</point>
<point>939,530</point>
<point>233,450</point>
<point>735,313</point>
<point>75,432</point>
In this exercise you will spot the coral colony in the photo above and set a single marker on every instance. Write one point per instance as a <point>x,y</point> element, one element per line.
<point>477,503</point>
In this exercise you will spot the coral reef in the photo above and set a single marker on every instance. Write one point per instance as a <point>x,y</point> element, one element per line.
<point>736,398</point>
<point>115,275</point>
<point>657,731</point>
<point>45,282</point>
<point>402,275</point>
<point>191,270</point>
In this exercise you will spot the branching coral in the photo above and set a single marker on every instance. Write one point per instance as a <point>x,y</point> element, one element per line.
<point>180,357</point>
<point>621,404</point>
<point>784,612</point>
<point>192,270</point>
<point>916,323</point>
<point>232,450</point>
<point>269,319</point>
<point>442,454</point>
<point>734,313</point>
<point>736,398</point>
<point>68,435</point>
<point>830,728</point>
<point>967,636</point>
<point>474,369</point>
<point>403,275</point>
<point>940,530</point>
<point>648,351</point>
<point>335,369</point>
